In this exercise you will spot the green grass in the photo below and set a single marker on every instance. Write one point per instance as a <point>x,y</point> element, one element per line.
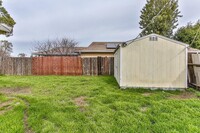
<point>108,109</point>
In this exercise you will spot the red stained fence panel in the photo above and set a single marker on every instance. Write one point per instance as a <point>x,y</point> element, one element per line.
<point>55,65</point>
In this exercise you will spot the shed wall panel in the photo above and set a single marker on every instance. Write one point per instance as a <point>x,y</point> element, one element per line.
<point>157,64</point>
<point>117,65</point>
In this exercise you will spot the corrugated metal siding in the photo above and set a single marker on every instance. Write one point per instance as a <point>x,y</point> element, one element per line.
<point>117,65</point>
<point>159,64</point>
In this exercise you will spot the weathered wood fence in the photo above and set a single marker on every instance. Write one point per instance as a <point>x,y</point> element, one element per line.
<point>194,70</point>
<point>57,65</point>
<point>98,66</point>
<point>15,66</point>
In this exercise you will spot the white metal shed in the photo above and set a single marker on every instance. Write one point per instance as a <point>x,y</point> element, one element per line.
<point>152,61</point>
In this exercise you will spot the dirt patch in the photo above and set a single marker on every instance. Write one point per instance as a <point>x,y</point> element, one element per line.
<point>147,94</point>
<point>80,102</point>
<point>184,95</point>
<point>13,91</point>
<point>143,109</point>
<point>5,103</point>
<point>5,107</point>
<point>10,91</point>
<point>26,126</point>
<point>9,108</point>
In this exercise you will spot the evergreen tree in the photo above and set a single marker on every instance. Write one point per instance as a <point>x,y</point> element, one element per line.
<point>189,34</point>
<point>160,17</point>
<point>5,17</point>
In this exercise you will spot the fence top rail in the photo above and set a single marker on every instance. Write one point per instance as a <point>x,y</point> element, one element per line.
<point>43,55</point>
<point>191,64</point>
<point>193,52</point>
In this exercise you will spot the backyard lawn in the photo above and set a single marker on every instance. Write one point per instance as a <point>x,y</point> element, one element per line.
<point>59,104</point>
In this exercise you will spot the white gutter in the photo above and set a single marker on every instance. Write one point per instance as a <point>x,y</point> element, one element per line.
<point>6,28</point>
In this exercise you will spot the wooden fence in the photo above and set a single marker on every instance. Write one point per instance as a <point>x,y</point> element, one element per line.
<point>15,66</point>
<point>57,65</point>
<point>98,66</point>
<point>194,70</point>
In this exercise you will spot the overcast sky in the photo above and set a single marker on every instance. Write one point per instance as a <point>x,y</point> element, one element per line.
<point>83,20</point>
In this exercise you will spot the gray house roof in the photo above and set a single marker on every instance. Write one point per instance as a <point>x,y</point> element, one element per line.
<point>100,47</point>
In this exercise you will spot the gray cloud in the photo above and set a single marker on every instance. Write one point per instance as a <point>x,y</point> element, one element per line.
<point>85,21</point>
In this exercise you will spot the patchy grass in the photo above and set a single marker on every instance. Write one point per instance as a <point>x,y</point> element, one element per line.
<point>185,95</point>
<point>93,104</point>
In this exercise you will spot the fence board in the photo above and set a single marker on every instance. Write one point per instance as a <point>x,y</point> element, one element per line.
<point>55,65</point>
<point>15,66</point>
<point>98,66</point>
<point>194,70</point>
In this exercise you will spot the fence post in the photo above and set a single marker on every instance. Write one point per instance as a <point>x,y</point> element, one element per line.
<point>99,65</point>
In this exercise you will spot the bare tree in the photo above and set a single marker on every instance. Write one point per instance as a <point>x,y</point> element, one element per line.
<point>57,46</point>
<point>43,47</point>
<point>6,48</point>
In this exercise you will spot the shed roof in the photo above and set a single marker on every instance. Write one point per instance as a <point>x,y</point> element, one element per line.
<point>159,36</point>
<point>163,37</point>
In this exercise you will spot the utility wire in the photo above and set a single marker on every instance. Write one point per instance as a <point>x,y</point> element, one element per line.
<point>154,17</point>
<point>197,33</point>
<point>151,20</point>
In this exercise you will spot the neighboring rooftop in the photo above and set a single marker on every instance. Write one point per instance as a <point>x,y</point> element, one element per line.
<point>60,51</point>
<point>94,47</point>
<point>101,47</point>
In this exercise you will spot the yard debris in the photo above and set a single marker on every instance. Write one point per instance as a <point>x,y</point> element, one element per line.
<point>10,91</point>
<point>185,95</point>
<point>81,102</point>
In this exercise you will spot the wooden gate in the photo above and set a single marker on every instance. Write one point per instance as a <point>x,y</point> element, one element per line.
<point>57,65</point>
<point>194,69</point>
<point>98,66</point>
